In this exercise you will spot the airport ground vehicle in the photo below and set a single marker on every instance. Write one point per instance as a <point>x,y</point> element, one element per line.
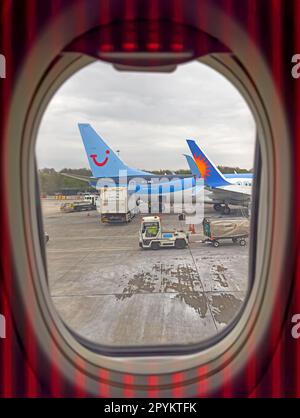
<point>153,237</point>
<point>77,206</point>
<point>116,205</point>
<point>90,198</point>
<point>216,230</point>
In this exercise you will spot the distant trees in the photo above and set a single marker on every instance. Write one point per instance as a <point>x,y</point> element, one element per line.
<point>223,169</point>
<point>231,170</point>
<point>169,172</point>
<point>52,182</point>
<point>80,171</point>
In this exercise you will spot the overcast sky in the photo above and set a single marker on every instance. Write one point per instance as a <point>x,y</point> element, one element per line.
<point>148,116</point>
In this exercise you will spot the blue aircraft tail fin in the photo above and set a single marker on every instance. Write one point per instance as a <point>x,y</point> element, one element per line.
<point>103,161</point>
<point>209,172</point>
<point>193,166</point>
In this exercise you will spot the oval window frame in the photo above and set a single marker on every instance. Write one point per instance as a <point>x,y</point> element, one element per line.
<point>274,209</point>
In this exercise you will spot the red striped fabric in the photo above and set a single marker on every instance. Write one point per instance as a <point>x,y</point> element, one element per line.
<point>273,26</point>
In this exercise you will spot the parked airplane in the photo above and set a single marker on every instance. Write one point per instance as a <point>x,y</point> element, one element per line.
<point>241,179</point>
<point>108,170</point>
<point>233,189</point>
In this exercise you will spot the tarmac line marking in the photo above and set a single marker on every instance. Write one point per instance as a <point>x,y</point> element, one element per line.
<point>205,295</point>
<point>102,236</point>
<point>90,250</point>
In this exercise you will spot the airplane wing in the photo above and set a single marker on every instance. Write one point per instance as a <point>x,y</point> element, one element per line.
<point>235,189</point>
<point>78,177</point>
<point>93,180</point>
<point>232,194</point>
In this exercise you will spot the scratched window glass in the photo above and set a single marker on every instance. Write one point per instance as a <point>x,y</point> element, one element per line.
<point>145,184</point>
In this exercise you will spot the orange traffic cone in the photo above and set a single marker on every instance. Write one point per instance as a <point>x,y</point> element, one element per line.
<point>192,229</point>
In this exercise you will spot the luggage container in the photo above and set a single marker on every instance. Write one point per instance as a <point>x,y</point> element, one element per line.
<point>216,230</point>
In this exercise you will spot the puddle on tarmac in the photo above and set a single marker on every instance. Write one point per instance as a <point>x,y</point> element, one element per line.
<point>186,287</point>
<point>218,271</point>
<point>196,300</point>
<point>143,282</point>
<point>182,280</point>
<point>225,307</point>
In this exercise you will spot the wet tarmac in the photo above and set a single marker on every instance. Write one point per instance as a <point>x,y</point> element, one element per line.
<point>112,292</point>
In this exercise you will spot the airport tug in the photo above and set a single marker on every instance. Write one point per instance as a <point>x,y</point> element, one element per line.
<point>152,236</point>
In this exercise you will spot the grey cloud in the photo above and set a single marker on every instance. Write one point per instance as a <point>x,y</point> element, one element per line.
<point>148,117</point>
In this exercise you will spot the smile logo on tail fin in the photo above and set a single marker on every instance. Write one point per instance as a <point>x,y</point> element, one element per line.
<point>203,166</point>
<point>102,163</point>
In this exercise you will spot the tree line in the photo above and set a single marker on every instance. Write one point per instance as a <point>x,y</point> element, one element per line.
<point>52,181</point>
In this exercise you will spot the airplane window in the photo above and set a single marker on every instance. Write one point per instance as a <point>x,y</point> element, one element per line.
<point>122,156</point>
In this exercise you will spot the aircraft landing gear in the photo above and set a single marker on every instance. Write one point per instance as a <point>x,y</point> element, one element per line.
<point>217,207</point>
<point>225,210</point>
<point>222,208</point>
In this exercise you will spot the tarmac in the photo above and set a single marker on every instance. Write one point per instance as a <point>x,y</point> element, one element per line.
<point>114,293</point>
